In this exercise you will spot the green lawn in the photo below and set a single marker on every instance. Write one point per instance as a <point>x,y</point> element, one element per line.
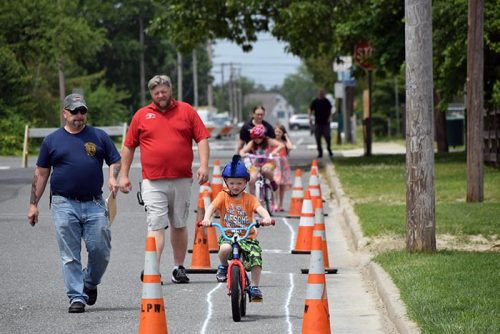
<point>377,186</point>
<point>447,291</point>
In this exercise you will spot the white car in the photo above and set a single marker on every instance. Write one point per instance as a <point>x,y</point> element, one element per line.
<point>299,121</point>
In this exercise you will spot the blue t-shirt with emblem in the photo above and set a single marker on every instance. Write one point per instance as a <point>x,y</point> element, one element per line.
<point>76,160</point>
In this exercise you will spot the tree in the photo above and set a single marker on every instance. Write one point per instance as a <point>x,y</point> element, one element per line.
<point>420,197</point>
<point>299,89</point>
<point>475,113</point>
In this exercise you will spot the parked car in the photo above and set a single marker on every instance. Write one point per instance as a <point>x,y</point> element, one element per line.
<point>299,121</point>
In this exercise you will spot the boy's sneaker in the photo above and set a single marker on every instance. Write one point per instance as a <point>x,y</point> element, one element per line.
<point>255,294</point>
<point>221,273</point>
<point>179,275</point>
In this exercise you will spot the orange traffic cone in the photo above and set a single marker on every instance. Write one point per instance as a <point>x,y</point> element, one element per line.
<point>316,310</point>
<point>314,165</point>
<point>306,226</point>
<point>216,179</point>
<point>297,195</point>
<point>152,319</point>
<point>200,260</point>
<point>213,246</point>
<point>314,187</point>
<point>319,230</point>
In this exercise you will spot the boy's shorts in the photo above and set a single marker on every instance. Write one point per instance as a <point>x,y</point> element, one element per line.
<point>167,202</point>
<point>251,250</point>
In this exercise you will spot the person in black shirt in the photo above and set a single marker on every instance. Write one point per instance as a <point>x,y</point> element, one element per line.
<point>258,114</point>
<point>322,110</point>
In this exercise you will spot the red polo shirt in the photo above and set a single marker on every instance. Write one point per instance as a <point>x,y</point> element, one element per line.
<point>166,139</point>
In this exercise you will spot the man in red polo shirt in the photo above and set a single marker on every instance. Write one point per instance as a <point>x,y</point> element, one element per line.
<point>164,130</point>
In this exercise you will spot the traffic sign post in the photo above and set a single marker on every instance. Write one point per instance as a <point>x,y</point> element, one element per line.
<point>363,56</point>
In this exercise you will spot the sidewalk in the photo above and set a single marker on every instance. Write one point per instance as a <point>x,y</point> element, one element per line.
<point>362,297</point>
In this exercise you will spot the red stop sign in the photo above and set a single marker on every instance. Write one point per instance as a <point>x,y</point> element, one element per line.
<point>363,55</point>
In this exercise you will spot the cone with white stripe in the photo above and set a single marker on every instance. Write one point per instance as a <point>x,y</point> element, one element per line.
<point>213,246</point>
<point>216,180</point>
<point>200,261</point>
<point>314,165</point>
<point>306,226</point>
<point>320,230</point>
<point>316,311</point>
<point>297,195</point>
<point>152,319</point>
<point>314,187</point>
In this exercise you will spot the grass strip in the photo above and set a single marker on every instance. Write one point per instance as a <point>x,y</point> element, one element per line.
<point>448,292</point>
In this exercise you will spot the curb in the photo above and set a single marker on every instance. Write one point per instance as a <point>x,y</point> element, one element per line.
<point>389,294</point>
<point>386,289</point>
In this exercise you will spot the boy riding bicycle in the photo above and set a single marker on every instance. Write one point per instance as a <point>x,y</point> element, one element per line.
<point>236,210</point>
<point>262,145</point>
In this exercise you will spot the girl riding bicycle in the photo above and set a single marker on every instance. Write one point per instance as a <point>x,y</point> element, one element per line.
<point>236,210</point>
<point>263,146</point>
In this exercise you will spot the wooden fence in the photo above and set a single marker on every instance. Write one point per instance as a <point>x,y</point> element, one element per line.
<point>492,137</point>
<point>118,130</point>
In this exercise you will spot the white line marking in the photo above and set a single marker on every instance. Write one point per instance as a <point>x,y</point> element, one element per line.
<point>4,167</point>
<point>292,234</point>
<point>290,276</point>
<point>209,314</point>
<point>287,305</point>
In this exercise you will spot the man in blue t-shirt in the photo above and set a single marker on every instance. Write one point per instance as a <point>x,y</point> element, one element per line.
<point>75,153</point>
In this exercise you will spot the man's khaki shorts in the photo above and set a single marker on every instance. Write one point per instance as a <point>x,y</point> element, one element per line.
<point>167,202</point>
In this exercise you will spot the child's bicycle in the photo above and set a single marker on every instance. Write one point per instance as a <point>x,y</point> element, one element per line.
<point>238,284</point>
<point>263,188</point>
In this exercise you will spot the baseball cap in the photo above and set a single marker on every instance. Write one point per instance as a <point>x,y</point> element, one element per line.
<point>73,101</point>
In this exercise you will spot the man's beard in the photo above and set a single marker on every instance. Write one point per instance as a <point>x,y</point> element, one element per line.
<point>164,104</point>
<point>78,124</point>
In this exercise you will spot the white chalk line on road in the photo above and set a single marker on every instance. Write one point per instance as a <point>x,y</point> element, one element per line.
<point>290,290</point>
<point>4,167</point>
<point>290,276</point>
<point>209,311</point>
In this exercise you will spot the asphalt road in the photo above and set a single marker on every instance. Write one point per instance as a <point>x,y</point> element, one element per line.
<point>32,290</point>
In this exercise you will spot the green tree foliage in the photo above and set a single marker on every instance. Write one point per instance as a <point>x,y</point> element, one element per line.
<point>98,44</point>
<point>299,89</point>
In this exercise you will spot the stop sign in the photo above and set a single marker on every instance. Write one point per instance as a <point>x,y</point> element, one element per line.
<point>363,55</point>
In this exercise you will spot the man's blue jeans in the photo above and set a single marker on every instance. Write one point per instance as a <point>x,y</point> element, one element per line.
<point>73,222</point>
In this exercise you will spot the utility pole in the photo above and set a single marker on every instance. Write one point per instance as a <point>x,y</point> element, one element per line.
<point>210,93</point>
<point>142,74</point>
<point>179,76</point>
<point>222,88</point>
<point>231,89</point>
<point>420,195</point>
<point>62,90</point>
<point>396,104</point>
<point>475,112</point>
<point>195,78</point>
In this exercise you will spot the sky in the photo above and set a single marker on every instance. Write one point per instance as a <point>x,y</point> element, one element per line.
<point>267,64</point>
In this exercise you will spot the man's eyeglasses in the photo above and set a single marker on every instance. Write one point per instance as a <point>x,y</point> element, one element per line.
<point>82,111</point>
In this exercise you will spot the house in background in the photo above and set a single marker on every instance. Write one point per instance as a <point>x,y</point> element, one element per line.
<point>277,108</point>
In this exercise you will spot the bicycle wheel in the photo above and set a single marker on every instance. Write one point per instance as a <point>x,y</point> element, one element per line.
<point>267,198</point>
<point>236,293</point>
<point>243,304</point>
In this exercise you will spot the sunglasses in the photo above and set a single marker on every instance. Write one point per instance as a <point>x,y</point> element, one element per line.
<point>82,111</point>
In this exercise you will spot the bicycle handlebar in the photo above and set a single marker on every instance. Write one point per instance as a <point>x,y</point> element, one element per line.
<point>235,230</point>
